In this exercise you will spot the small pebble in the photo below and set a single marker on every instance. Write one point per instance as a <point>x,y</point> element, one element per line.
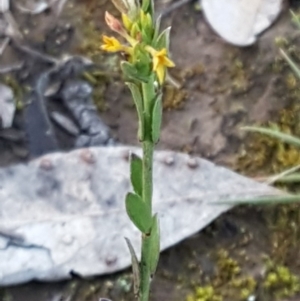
<point>46,164</point>
<point>65,123</point>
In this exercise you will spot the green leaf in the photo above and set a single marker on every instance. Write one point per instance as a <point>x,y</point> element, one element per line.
<point>274,133</point>
<point>149,92</point>
<point>151,9</point>
<point>134,30</point>
<point>157,118</point>
<point>157,28</point>
<point>163,40</point>
<point>147,33</point>
<point>154,245</point>
<point>138,100</point>
<point>148,7</point>
<point>135,268</point>
<point>136,172</point>
<point>138,212</point>
<point>132,73</point>
<point>134,8</point>
<point>145,5</point>
<point>293,66</point>
<point>143,63</point>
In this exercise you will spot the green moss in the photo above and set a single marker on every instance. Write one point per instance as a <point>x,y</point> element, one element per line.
<point>280,282</point>
<point>98,81</point>
<point>91,37</point>
<point>281,42</point>
<point>229,280</point>
<point>285,236</point>
<point>291,81</point>
<point>204,293</point>
<point>230,283</point>
<point>227,268</point>
<point>173,97</point>
<point>239,78</point>
<point>246,286</point>
<point>17,89</point>
<point>227,283</point>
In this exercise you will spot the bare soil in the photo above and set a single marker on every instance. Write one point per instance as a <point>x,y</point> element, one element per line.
<point>223,88</point>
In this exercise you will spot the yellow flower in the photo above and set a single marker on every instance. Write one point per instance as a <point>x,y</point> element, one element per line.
<point>160,62</point>
<point>111,44</point>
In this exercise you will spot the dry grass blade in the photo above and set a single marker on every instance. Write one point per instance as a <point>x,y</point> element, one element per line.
<point>293,66</point>
<point>282,175</point>
<point>291,178</point>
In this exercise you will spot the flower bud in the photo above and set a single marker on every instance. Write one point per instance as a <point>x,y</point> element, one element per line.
<point>113,23</point>
<point>127,22</point>
<point>134,30</point>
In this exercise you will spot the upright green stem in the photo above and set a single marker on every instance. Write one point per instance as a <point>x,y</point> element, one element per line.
<point>147,172</point>
<point>148,97</point>
<point>148,148</point>
<point>145,271</point>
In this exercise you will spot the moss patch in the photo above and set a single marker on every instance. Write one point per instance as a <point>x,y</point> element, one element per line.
<point>280,282</point>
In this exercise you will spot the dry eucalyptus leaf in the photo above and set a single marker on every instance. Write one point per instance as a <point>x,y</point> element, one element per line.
<point>240,21</point>
<point>66,212</point>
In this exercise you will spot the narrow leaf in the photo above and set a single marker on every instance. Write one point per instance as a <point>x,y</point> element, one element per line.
<point>147,33</point>
<point>137,98</point>
<point>135,268</point>
<point>136,172</point>
<point>145,5</point>
<point>157,28</point>
<point>134,29</point>
<point>274,133</point>
<point>138,212</point>
<point>283,174</point>
<point>148,7</point>
<point>151,9</point>
<point>163,40</point>
<point>154,245</point>
<point>157,118</point>
<point>132,73</point>
<point>264,200</point>
<point>293,66</point>
<point>292,178</point>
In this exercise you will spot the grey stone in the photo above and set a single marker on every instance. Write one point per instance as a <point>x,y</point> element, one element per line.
<point>65,123</point>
